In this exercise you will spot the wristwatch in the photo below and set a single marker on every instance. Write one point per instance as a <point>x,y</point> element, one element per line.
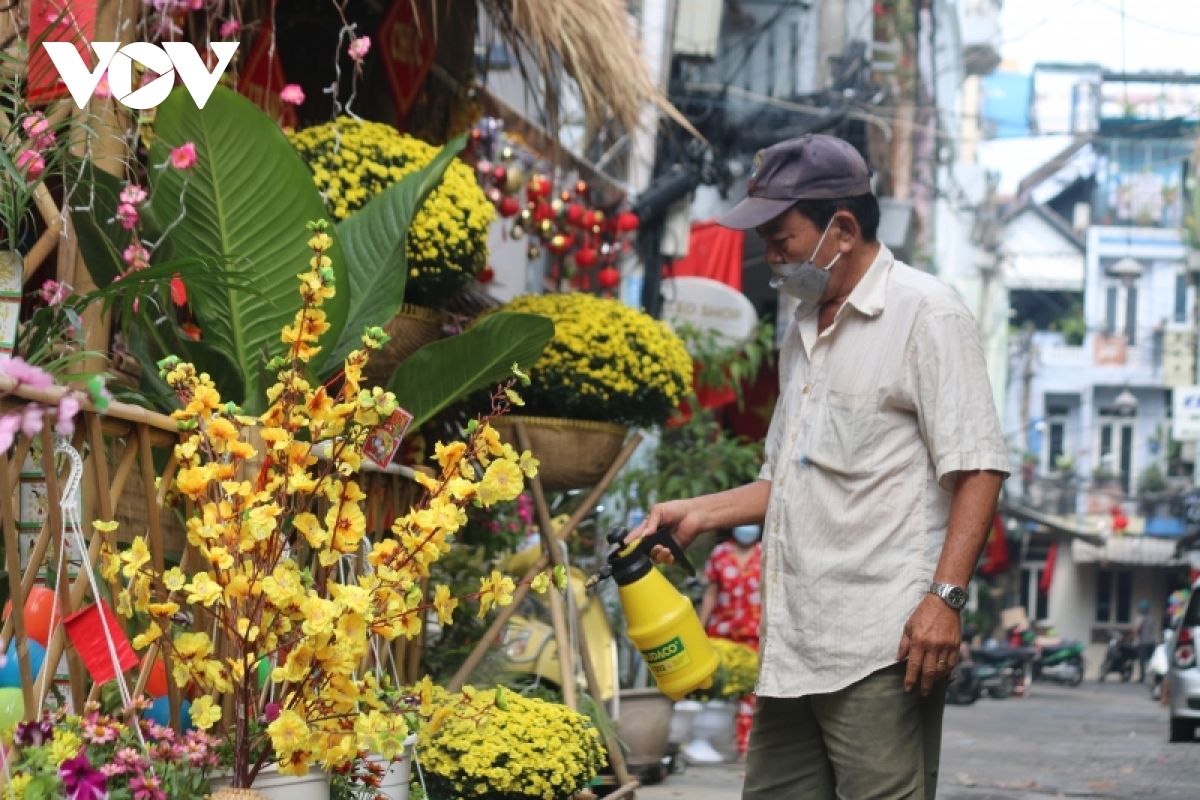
<point>954,596</point>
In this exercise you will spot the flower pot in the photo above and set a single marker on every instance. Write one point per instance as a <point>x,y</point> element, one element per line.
<point>682,717</point>
<point>394,785</point>
<point>273,786</point>
<point>12,279</point>
<point>412,328</point>
<point>574,454</point>
<point>645,727</point>
<point>716,724</point>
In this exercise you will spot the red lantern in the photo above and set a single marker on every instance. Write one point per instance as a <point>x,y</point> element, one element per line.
<point>589,219</point>
<point>627,221</point>
<point>509,206</point>
<point>98,637</point>
<point>586,257</point>
<point>561,243</point>
<point>574,214</point>
<point>543,212</point>
<point>487,275</point>
<point>609,277</point>
<point>537,187</point>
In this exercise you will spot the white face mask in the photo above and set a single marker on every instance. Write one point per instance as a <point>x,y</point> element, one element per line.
<point>805,281</point>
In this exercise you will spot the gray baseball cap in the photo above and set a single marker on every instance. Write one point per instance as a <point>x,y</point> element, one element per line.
<point>811,167</point>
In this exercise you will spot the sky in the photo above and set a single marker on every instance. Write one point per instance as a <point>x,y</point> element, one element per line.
<point>1158,34</point>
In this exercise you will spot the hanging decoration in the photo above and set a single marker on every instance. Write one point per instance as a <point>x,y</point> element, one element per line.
<point>554,209</point>
<point>407,50</point>
<point>263,80</point>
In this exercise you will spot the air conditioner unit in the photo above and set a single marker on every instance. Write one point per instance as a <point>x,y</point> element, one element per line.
<point>698,28</point>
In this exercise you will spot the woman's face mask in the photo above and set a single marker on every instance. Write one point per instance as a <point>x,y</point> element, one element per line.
<point>746,535</point>
<point>805,281</point>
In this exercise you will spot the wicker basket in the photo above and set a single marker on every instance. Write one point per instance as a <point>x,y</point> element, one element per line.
<point>574,454</point>
<point>410,330</point>
<point>131,513</point>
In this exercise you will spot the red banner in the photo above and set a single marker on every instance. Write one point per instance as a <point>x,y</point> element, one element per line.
<point>263,78</point>
<point>407,48</point>
<point>57,21</point>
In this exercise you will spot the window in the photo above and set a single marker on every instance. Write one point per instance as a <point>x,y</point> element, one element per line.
<point>1120,311</point>
<point>1114,596</point>
<point>1035,601</point>
<point>1116,449</point>
<point>794,58</point>
<point>1056,435</point>
<point>1181,303</point>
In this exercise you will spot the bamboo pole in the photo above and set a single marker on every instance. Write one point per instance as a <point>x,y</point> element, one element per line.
<point>615,756</point>
<point>52,395</point>
<point>12,557</point>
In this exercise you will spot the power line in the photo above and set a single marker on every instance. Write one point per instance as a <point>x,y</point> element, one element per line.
<point>1144,22</point>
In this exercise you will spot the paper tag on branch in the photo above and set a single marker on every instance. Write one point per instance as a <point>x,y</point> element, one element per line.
<point>384,439</point>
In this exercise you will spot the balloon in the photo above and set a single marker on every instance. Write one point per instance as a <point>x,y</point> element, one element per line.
<point>12,707</point>
<point>39,607</point>
<point>160,713</point>
<point>10,673</point>
<point>156,684</point>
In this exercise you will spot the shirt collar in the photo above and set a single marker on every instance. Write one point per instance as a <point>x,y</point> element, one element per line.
<point>870,293</point>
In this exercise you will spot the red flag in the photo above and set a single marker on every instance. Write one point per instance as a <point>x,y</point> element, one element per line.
<point>1048,570</point>
<point>57,21</point>
<point>995,552</point>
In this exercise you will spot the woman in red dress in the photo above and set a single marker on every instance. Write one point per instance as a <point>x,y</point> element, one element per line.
<point>732,605</point>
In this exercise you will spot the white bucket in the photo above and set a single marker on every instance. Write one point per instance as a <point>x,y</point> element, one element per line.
<point>682,718</point>
<point>394,785</point>
<point>273,786</point>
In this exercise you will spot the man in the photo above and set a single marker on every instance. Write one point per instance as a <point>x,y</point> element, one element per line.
<point>883,465</point>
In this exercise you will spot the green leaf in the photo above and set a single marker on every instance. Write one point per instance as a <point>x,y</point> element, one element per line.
<point>443,372</point>
<point>374,244</point>
<point>248,197</point>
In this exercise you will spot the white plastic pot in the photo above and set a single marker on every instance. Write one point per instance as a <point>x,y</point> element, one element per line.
<point>682,718</point>
<point>394,785</point>
<point>273,786</point>
<point>714,728</point>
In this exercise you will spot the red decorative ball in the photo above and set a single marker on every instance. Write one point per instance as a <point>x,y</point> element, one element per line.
<point>561,243</point>
<point>487,276</point>
<point>627,221</point>
<point>537,187</point>
<point>509,206</point>
<point>586,257</point>
<point>543,212</point>
<point>609,277</point>
<point>574,214</point>
<point>589,219</point>
<point>500,175</point>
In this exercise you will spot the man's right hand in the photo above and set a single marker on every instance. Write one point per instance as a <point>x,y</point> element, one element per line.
<point>681,517</point>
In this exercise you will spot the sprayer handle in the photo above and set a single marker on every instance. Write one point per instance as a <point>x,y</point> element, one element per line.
<point>663,537</point>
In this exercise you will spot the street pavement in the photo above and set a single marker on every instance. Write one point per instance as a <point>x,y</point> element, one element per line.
<point>1093,741</point>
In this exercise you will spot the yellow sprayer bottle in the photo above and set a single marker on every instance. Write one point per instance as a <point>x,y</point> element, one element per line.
<point>659,620</point>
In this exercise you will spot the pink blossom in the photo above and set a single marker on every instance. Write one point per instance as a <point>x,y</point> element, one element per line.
<point>127,215</point>
<point>271,711</point>
<point>292,94</point>
<point>102,90</point>
<point>62,17</point>
<point>18,370</point>
<point>31,420</point>
<point>37,128</point>
<point>53,292</point>
<point>64,422</point>
<point>9,425</point>
<point>136,256</point>
<point>230,28</point>
<point>32,162</point>
<point>360,47</point>
<point>184,156</point>
<point>133,194</point>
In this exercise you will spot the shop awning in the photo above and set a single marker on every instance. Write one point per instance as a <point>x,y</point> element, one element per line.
<point>1050,524</point>
<point>1132,551</point>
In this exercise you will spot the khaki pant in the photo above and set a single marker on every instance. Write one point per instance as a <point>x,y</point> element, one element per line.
<point>869,741</point>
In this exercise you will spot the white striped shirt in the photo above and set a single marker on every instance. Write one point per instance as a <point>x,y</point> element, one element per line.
<point>875,417</point>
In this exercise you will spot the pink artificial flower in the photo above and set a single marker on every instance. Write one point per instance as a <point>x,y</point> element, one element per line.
<point>62,17</point>
<point>102,89</point>
<point>37,128</point>
<point>64,424</point>
<point>184,156</point>
<point>360,47</point>
<point>31,420</point>
<point>53,292</point>
<point>133,194</point>
<point>18,370</point>
<point>136,256</point>
<point>9,425</point>
<point>292,94</point>
<point>32,162</point>
<point>147,787</point>
<point>127,215</point>
<point>230,28</point>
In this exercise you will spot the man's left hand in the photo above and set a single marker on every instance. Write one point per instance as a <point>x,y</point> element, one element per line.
<point>930,643</point>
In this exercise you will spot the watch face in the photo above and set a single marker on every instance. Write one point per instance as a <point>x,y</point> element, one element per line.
<point>956,597</point>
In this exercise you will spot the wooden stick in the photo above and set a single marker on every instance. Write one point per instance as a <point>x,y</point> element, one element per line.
<point>24,445</point>
<point>616,757</point>
<point>626,791</point>
<point>53,394</point>
<point>417,645</point>
<point>12,558</point>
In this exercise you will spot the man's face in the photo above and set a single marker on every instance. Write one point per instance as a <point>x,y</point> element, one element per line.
<point>791,238</point>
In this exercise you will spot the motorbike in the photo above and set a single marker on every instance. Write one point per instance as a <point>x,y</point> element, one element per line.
<point>1159,662</point>
<point>1119,658</point>
<point>1055,659</point>
<point>1000,670</point>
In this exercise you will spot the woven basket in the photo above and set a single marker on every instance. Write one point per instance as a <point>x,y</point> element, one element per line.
<point>410,330</point>
<point>131,513</point>
<point>574,454</point>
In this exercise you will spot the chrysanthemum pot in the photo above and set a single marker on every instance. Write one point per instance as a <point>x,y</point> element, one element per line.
<point>273,786</point>
<point>412,328</point>
<point>574,454</point>
<point>394,785</point>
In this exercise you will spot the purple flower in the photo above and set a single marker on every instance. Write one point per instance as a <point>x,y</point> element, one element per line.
<point>18,370</point>
<point>34,733</point>
<point>68,408</point>
<point>271,711</point>
<point>81,781</point>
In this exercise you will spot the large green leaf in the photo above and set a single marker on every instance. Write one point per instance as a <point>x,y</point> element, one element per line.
<point>247,198</point>
<point>443,372</point>
<point>374,242</point>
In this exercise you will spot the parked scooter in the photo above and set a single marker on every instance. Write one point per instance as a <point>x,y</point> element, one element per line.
<point>1119,658</point>
<point>1055,659</point>
<point>1000,670</point>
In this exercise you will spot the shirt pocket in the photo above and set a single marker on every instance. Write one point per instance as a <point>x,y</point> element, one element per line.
<point>844,431</point>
